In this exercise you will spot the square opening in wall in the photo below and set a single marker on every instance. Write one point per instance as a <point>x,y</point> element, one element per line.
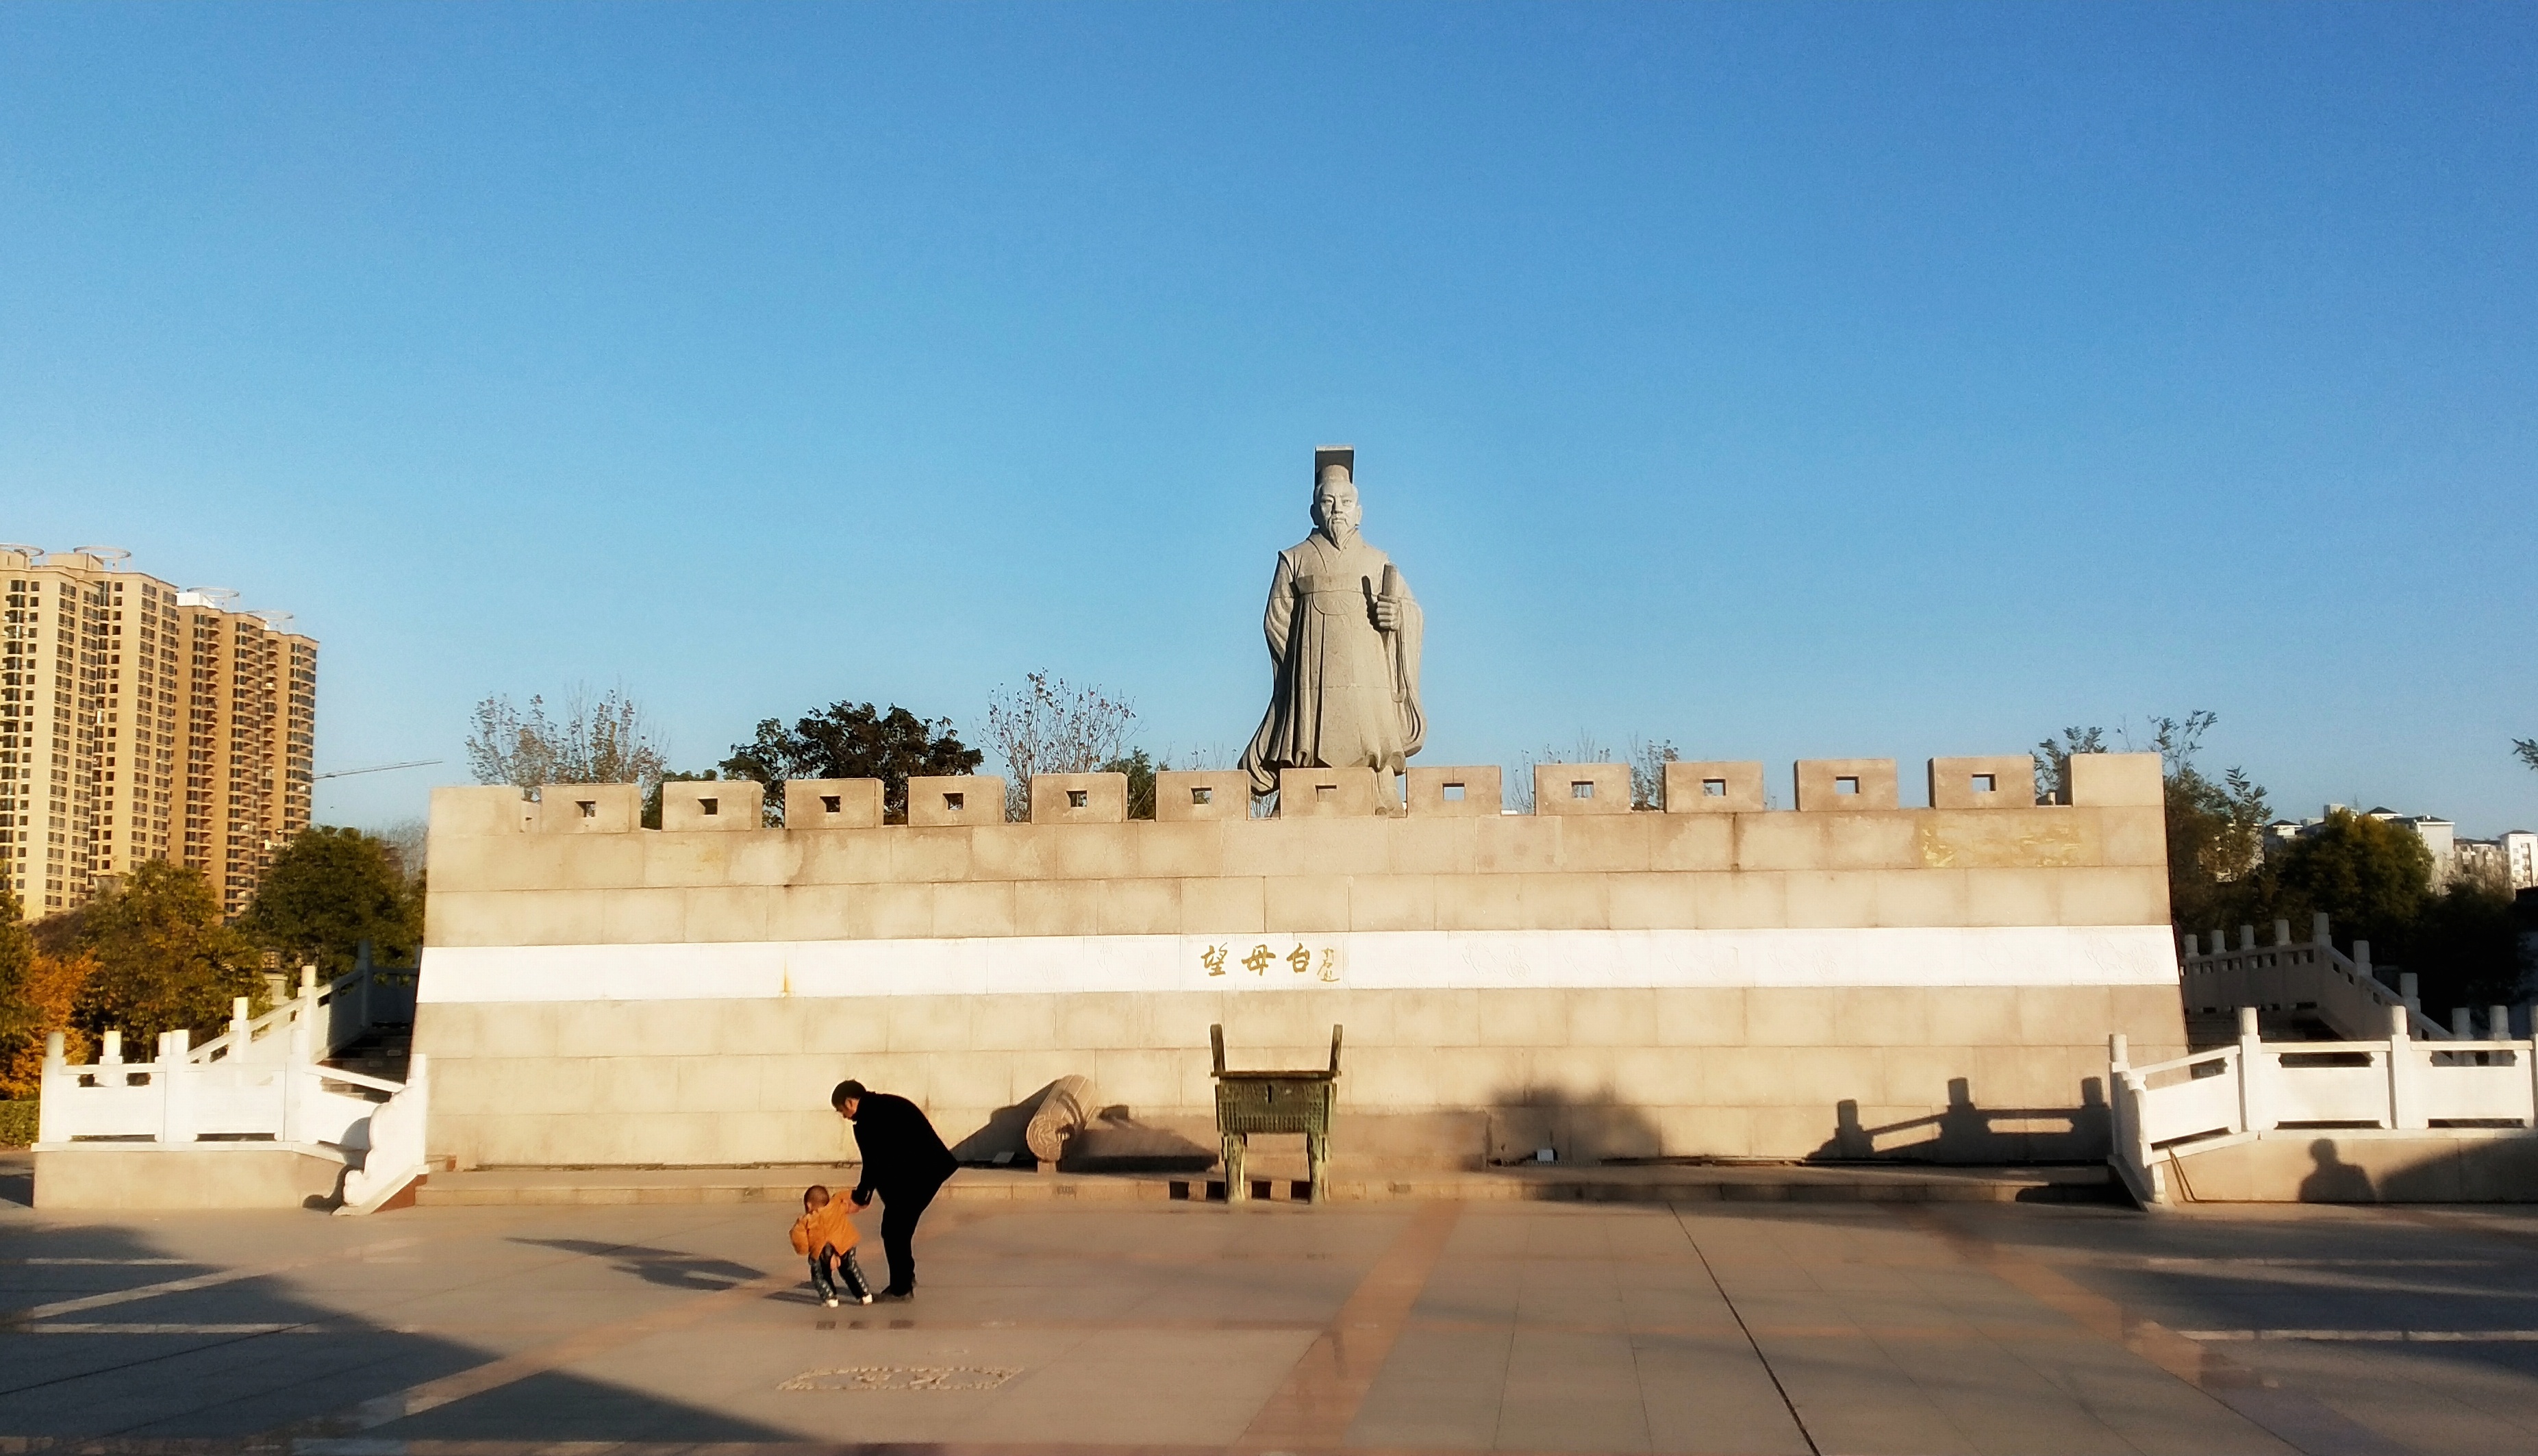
<point>832,803</point>
<point>1453,792</point>
<point>1202,795</point>
<point>1713,788</point>
<point>1845,784</point>
<point>709,807</point>
<point>1983,783</point>
<point>1078,798</point>
<point>1326,791</point>
<point>590,808</point>
<point>1583,788</point>
<point>953,802</point>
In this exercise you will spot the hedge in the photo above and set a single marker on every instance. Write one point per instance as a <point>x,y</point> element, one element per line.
<point>16,1124</point>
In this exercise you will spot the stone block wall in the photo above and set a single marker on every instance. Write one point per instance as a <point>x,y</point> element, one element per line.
<point>1839,981</point>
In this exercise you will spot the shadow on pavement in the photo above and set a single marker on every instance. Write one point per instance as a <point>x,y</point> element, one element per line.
<point>246,1365</point>
<point>18,1178</point>
<point>667,1268</point>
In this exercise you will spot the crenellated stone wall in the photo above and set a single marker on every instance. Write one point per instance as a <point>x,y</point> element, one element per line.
<point>1839,979</point>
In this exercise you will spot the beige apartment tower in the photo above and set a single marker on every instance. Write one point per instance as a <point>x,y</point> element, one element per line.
<point>139,721</point>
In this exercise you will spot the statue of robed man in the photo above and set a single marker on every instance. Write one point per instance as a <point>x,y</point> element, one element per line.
<point>1343,636</point>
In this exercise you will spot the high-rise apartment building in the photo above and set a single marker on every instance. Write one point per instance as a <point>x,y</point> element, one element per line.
<point>141,722</point>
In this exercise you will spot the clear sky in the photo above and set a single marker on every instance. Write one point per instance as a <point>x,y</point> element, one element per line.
<point>1782,381</point>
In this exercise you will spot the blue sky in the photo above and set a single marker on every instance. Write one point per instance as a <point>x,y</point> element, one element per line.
<point>1782,381</point>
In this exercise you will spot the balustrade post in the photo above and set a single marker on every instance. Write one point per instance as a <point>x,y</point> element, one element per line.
<point>2497,1023</point>
<point>2281,932</point>
<point>2410,991</point>
<point>110,1057</point>
<point>2318,935</point>
<point>2255,1110</point>
<point>2190,944</point>
<point>2463,1024</point>
<point>2405,1100</point>
<point>54,1090</point>
<point>239,1033</point>
<point>173,1076</point>
<point>2246,936</point>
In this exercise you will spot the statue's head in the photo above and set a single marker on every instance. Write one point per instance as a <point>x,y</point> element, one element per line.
<point>1335,507</point>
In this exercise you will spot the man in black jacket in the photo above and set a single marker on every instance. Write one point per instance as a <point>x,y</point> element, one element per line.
<point>904,1161</point>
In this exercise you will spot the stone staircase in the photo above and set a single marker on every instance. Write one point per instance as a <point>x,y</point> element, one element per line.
<point>2206,1029</point>
<point>380,1052</point>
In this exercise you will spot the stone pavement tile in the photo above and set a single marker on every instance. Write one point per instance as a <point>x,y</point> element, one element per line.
<point>1471,1291</point>
<point>2436,1398</point>
<point>1441,1388</point>
<point>1854,1398</point>
<point>1571,1392</point>
<point>1195,1388</point>
<point>2150,1409</point>
<point>2001,1404</point>
<point>293,1377</point>
<point>179,1384</point>
<point>1710,1393</point>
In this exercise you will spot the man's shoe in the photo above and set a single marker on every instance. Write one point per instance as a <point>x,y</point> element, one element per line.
<point>895,1296</point>
<point>831,1301</point>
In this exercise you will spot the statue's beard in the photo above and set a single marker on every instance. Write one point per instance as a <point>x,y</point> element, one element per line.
<point>1340,530</point>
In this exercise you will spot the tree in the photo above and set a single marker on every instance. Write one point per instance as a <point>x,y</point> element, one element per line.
<point>1050,727</point>
<point>2371,876</point>
<point>1140,769</point>
<point>2053,761</point>
<point>38,1003</point>
<point>850,740</point>
<point>2215,825</point>
<point>164,961</point>
<point>602,740</point>
<point>328,891</point>
<point>2526,751</point>
<point>2464,947</point>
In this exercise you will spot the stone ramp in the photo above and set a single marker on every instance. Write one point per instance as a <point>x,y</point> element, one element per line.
<point>1641,1183</point>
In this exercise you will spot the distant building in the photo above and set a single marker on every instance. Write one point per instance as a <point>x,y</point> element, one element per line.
<point>142,722</point>
<point>2510,860</point>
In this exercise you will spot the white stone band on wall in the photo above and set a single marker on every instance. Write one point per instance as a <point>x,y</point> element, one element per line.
<point>1410,960</point>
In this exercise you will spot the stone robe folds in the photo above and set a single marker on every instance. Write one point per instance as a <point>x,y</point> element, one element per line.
<point>1345,694</point>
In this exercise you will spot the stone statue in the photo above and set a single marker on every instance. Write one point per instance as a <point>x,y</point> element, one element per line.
<point>1344,635</point>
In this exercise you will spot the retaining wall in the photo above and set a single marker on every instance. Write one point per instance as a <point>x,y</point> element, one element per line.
<point>1715,981</point>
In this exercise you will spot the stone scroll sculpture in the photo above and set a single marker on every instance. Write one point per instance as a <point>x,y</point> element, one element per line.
<point>1062,1115</point>
<point>1343,636</point>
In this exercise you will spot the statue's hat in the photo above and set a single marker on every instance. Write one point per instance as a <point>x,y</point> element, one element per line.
<point>1343,456</point>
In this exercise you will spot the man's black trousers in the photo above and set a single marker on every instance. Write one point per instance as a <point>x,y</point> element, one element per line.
<point>901,1207</point>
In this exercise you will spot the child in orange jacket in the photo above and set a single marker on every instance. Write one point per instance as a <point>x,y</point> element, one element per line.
<point>826,1233</point>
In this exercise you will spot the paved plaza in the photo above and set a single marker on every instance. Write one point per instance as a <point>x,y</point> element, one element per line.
<point>1722,1327</point>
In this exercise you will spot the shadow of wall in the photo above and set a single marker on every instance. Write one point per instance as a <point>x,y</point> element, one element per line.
<point>1967,1132</point>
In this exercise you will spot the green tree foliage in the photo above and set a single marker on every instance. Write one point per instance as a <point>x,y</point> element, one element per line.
<point>850,740</point>
<point>328,891</point>
<point>164,961</point>
<point>1140,768</point>
<point>20,1018</point>
<point>2371,876</point>
<point>2526,751</point>
<point>2464,947</point>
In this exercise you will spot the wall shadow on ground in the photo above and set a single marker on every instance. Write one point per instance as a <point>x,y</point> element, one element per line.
<point>1966,1131</point>
<point>243,1392</point>
<point>1523,1120</point>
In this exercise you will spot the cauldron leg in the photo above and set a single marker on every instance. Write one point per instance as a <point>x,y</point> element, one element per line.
<point>1317,1161</point>
<point>1237,1188</point>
